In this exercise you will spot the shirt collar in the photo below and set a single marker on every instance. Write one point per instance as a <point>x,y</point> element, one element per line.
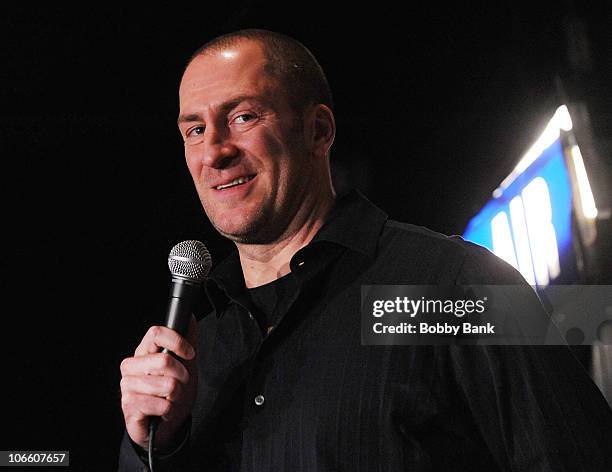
<point>354,223</point>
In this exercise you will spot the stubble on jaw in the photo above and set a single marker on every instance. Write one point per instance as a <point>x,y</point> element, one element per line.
<point>267,223</point>
<point>253,233</point>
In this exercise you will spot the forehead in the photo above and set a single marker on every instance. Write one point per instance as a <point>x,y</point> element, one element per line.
<point>213,77</point>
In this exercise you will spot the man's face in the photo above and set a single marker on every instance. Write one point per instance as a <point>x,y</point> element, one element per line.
<point>244,150</point>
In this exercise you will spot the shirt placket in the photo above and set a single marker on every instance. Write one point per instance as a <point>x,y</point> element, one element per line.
<point>257,397</point>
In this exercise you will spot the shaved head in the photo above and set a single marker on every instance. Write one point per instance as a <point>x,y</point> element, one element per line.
<point>288,62</point>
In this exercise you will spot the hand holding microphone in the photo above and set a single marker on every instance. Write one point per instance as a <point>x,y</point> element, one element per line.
<point>162,385</point>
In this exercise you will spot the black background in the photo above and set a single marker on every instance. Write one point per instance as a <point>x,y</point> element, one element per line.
<point>434,106</point>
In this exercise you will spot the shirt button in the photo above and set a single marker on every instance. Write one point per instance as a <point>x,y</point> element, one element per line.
<point>259,400</point>
<point>300,263</point>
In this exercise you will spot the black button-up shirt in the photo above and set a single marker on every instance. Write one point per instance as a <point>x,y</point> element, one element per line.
<point>308,396</point>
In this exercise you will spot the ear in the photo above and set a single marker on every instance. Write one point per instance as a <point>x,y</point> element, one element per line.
<point>323,130</point>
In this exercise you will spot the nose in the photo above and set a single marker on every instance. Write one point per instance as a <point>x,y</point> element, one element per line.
<point>218,150</point>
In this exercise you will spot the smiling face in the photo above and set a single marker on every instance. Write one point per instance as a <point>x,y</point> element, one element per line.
<point>244,145</point>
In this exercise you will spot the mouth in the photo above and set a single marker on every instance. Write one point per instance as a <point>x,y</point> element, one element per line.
<point>236,182</point>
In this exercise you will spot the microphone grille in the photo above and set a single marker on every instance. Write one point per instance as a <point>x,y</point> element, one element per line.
<point>190,259</point>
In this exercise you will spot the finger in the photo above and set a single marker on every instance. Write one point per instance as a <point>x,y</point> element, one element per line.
<point>160,337</point>
<point>161,364</point>
<point>159,386</point>
<point>138,407</point>
<point>192,332</point>
<point>192,337</point>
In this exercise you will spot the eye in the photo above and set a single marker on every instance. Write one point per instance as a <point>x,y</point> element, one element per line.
<point>196,131</point>
<point>243,118</point>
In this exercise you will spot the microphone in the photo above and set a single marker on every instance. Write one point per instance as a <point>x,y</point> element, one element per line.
<point>189,263</point>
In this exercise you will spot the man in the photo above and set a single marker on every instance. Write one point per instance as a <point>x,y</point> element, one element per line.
<point>274,376</point>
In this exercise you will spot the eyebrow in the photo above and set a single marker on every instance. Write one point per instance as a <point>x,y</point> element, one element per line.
<point>224,108</point>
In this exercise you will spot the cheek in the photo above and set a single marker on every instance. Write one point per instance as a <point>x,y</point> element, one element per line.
<point>273,147</point>
<point>194,164</point>
<point>268,141</point>
<point>278,154</point>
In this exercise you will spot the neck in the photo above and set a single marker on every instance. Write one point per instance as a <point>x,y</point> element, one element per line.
<point>264,263</point>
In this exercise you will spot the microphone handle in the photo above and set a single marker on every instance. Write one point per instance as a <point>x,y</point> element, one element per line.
<point>184,294</point>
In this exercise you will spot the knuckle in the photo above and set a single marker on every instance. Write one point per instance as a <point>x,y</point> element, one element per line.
<point>126,402</point>
<point>154,331</point>
<point>174,342</point>
<point>123,365</point>
<point>171,385</point>
<point>166,360</point>
<point>166,408</point>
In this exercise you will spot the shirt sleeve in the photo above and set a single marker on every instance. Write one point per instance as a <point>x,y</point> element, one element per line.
<point>133,458</point>
<point>536,407</point>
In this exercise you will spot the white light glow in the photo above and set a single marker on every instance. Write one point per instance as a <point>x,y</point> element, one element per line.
<point>584,187</point>
<point>561,120</point>
<point>528,241</point>
<point>502,238</point>
<point>521,238</point>
<point>541,231</point>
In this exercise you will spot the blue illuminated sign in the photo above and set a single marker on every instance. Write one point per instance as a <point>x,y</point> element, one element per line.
<point>530,224</point>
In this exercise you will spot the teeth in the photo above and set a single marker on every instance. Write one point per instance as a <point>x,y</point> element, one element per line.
<point>238,181</point>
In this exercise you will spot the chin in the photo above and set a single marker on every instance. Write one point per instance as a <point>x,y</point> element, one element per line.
<point>237,231</point>
<point>255,232</point>
<point>249,224</point>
